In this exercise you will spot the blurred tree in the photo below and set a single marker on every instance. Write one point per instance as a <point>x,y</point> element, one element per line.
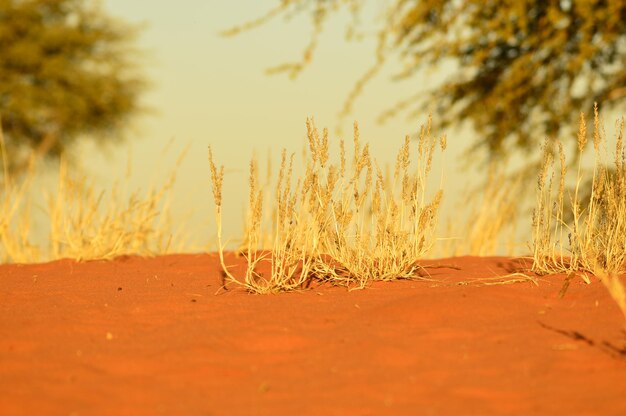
<point>65,73</point>
<point>524,68</point>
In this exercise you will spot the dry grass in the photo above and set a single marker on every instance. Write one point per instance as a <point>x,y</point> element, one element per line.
<point>84,223</point>
<point>15,209</point>
<point>343,221</point>
<point>342,218</point>
<point>593,242</point>
<point>493,211</point>
<point>516,277</point>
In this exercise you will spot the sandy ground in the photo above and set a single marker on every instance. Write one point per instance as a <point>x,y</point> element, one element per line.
<point>150,336</point>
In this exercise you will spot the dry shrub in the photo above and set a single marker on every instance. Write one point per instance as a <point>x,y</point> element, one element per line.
<point>342,221</point>
<point>591,240</point>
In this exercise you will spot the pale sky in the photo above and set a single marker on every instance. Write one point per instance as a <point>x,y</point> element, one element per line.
<point>208,89</point>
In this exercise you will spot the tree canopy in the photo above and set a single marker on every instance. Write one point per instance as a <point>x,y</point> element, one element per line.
<point>524,68</point>
<point>65,72</point>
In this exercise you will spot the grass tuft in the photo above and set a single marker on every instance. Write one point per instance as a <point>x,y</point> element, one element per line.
<point>15,210</point>
<point>345,224</point>
<point>83,223</point>
<point>583,235</point>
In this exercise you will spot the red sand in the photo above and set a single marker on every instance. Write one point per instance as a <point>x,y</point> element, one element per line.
<point>149,336</point>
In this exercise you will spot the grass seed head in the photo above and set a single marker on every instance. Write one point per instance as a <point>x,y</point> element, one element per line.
<point>596,128</point>
<point>582,132</point>
<point>402,159</point>
<point>323,148</point>
<point>217,178</point>
<point>619,145</point>
<point>443,142</point>
<point>252,182</point>
<point>342,158</point>
<point>313,136</point>
<point>356,144</point>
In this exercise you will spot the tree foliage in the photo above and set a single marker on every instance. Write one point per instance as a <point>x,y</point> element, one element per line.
<point>65,72</point>
<point>525,68</point>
